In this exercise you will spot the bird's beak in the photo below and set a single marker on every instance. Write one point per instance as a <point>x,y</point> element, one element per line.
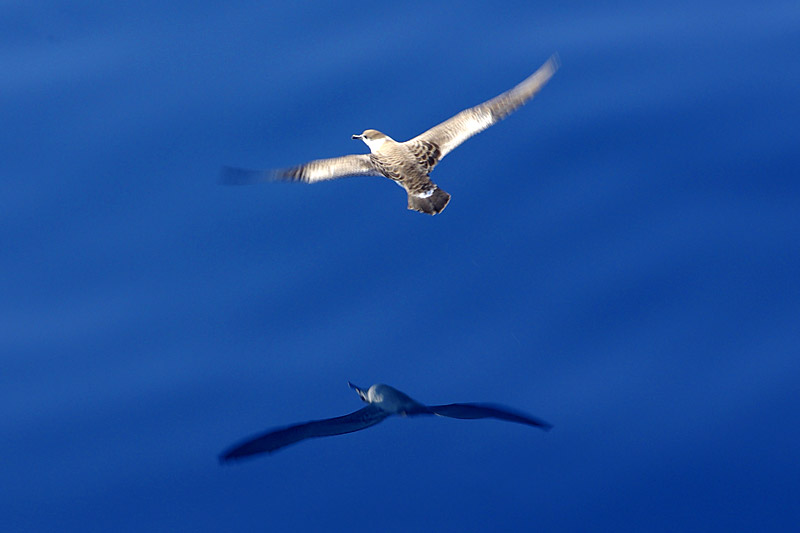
<point>361,392</point>
<point>358,136</point>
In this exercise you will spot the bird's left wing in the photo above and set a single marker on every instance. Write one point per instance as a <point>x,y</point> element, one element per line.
<point>311,172</point>
<point>276,439</point>
<point>443,138</point>
<point>482,410</point>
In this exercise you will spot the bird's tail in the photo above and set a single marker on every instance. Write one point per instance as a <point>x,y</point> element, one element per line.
<point>435,201</point>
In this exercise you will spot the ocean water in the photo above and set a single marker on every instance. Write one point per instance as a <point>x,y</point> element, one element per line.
<point>620,257</point>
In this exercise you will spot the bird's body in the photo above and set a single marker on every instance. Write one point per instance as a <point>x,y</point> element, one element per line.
<point>383,401</point>
<point>409,163</point>
<point>390,400</point>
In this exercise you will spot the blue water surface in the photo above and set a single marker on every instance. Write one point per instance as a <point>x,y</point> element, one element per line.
<point>621,258</point>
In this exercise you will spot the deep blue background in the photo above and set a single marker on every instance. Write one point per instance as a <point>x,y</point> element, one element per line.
<point>621,258</point>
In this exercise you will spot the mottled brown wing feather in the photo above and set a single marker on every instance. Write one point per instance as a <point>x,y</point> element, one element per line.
<point>426,153</point>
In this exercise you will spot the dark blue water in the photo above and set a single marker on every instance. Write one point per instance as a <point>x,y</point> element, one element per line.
<point>621,258</point>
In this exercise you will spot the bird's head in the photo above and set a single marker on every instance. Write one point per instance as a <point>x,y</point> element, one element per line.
<point>362,393</point>
<point>373,138</point>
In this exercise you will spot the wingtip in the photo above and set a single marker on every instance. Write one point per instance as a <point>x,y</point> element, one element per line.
<point>223,458</point>
<point>242,176</point>
<point>230,457</point>
<point>231,176</point>
<point>554,61</point>
<point>233,455</point>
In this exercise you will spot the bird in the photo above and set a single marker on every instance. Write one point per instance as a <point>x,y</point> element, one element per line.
<point>382,401</point>
<point>408,163</point>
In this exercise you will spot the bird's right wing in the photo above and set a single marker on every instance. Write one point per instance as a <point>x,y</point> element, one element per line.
<point>313,171</point>
<point>482,410</point>
<point>276,439</point>
<point>441,139</point>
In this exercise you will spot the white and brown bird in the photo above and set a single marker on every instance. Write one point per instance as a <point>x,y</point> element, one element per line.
<point>384,401</point>
<point>408,163</point>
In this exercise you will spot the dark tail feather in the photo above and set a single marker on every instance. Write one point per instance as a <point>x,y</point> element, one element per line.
<point>432,204</point>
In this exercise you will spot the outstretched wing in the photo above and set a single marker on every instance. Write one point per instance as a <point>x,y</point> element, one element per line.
<point>482,410</point>
<point>443,138</point>
<point>313,171</point>
<point>276,439</point>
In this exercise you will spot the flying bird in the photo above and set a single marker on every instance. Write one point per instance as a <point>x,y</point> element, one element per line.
<point>408,163</point>
<point>383,401</point>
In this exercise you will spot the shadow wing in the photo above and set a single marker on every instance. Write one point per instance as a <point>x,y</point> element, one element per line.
<point>471,411</point>
<point>276,439</point>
